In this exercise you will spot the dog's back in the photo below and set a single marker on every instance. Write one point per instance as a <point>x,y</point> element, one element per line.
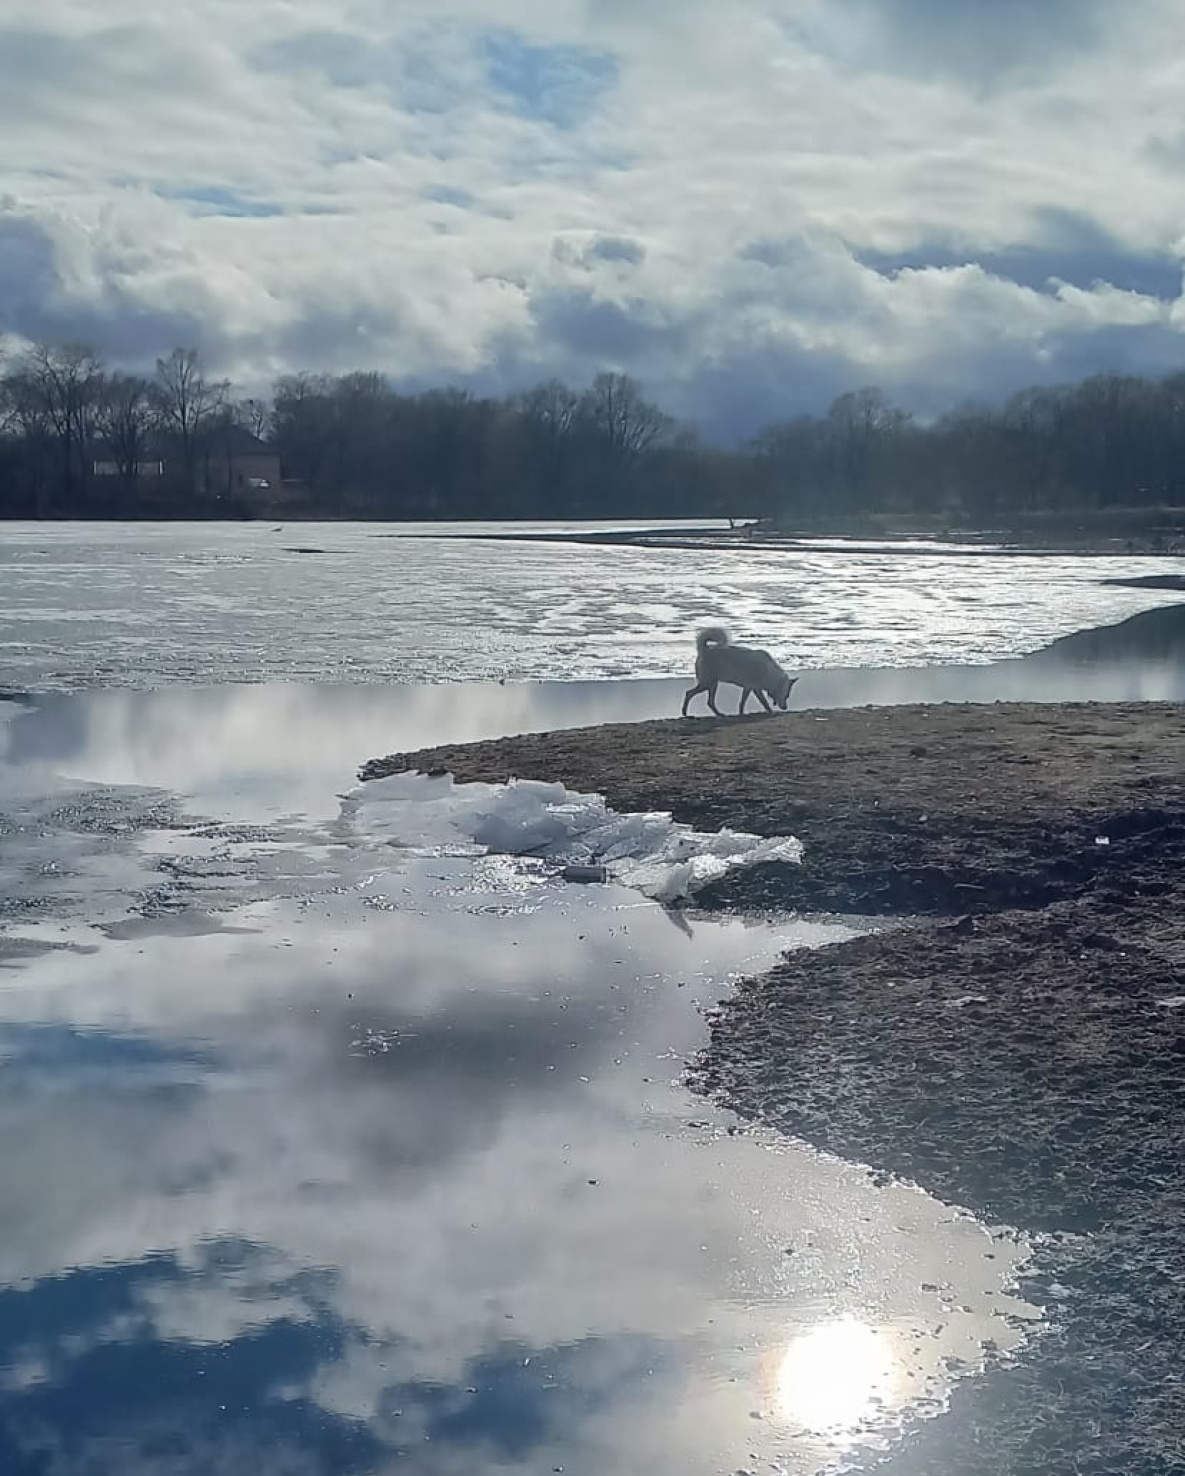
<point>718,660</point>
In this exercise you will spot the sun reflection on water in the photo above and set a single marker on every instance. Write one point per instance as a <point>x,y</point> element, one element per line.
<point>833,1377</point>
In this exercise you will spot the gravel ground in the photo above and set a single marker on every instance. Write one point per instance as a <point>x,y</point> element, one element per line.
<point>1019,1048</point>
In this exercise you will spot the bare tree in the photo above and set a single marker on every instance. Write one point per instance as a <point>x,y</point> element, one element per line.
<point>10,423</point>
<point>8,420</point>
<point>27,418</point>
<point>551,407</point>
<point>862,428</point>
<point>187,402</point>
<point>624,420</point>
<point>535,441</point>
<point>125,418</point>
<point>301,416</point>
<point>59,390</point>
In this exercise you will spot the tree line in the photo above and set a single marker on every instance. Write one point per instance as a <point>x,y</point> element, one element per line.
<point>76,437</point>
<point>1108,442</point>
<point>553,451</point>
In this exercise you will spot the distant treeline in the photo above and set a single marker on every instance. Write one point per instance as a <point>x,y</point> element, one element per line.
<point>78,439</point>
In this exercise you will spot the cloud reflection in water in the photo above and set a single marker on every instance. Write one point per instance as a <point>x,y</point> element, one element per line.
<point>400,1169</point>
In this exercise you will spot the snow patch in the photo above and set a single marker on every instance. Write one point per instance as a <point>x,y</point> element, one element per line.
<point>650,852</point>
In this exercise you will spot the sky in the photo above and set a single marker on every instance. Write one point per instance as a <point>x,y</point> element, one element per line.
<point>751,207</point>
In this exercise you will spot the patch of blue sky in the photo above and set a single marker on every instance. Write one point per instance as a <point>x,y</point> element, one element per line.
<point>218,200</point>
<point>446,195</point>
<point>560,85</point>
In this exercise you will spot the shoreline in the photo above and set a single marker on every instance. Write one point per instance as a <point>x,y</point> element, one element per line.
<point>1132,537</point>
<point>1017,1048</point>
<point>920,809</point>
<point>822,543</point>
<point>969,544</point>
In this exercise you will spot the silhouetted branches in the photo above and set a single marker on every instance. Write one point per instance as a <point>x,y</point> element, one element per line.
<point>78,440</point>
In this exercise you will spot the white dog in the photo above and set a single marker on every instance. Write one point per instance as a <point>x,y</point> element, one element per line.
<point>718,660</point>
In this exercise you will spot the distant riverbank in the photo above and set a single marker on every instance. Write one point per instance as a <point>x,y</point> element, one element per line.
<point>752,538</point>
<point>1137,535</point>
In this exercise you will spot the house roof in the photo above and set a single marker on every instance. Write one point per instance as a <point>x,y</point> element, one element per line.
<point>223,438</point>
<point>166,444</point>
<point>240,442</point>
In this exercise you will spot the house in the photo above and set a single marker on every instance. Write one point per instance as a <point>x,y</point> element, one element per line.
<point>109,467</point>
<point>228,462</point>
<point>238,464</point>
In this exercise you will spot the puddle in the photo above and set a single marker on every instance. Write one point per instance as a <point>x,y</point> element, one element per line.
<point>326,1156</point>
<point>262,753</point>
<point>407,1170</point>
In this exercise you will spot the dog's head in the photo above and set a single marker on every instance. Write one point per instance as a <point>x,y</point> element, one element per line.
<point>781,694</point>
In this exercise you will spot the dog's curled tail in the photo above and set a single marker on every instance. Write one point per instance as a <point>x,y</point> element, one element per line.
<point>711,635</point>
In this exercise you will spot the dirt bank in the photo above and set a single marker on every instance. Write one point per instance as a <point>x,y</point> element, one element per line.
<point>1030,1065</point>
<point>927,810</point>
<point>1019,1049</point>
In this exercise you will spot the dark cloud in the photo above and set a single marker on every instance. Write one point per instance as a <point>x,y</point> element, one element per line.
<point>343,59</point>
<point>59,282</point>
<point>325,336</point>
<point>617,249</point>
<point>1064,247</point>
<point>769,252</point>
<point>985,41</point>
<point>728,392</point>
<point>39,71</point>
<point>577,322</point>
<point>733,396</point>
<point>37,301</point>
<point>602,249</point>
<point>999,368</point>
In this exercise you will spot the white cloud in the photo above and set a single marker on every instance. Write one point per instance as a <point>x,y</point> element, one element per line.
<point>423,190</point>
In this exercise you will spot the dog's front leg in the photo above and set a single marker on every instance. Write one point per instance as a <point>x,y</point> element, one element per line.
<point>764,700</point>
<point>745,693</point>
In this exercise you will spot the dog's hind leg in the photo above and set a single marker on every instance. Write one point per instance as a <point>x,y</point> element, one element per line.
<point>712,699</point>
<point>745,694</point>
<point>689,694</point>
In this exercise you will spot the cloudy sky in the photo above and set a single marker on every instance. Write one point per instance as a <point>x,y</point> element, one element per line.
<point>751,207</point>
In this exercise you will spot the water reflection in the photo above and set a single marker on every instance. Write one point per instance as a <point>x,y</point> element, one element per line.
<point>401,1171</point>
<point>832,1378</point>
<point>275,750</point>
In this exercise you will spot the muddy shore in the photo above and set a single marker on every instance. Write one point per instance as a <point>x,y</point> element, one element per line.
<point>1018,1048</point>
<point>963,544</point>
<point>937,809</point>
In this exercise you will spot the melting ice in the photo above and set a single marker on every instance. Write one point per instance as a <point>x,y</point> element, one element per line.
<point>649,851</point>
